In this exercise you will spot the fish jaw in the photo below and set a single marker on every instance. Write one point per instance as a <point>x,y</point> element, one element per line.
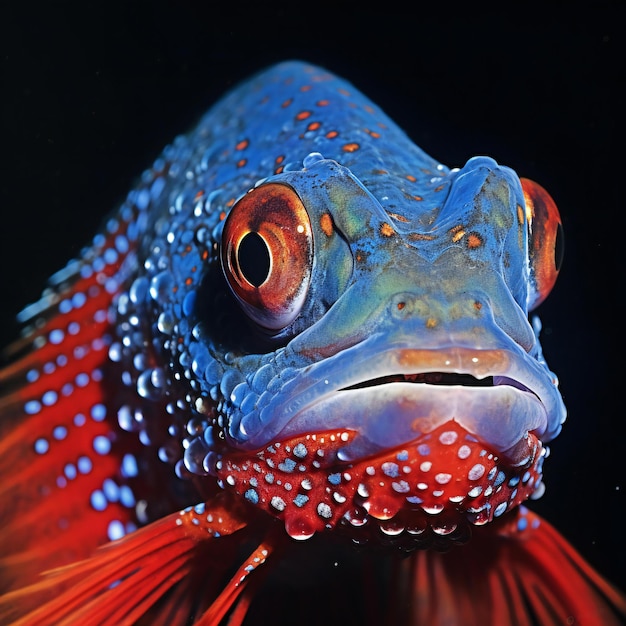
<point>428,492</point>
<point>426,444</point>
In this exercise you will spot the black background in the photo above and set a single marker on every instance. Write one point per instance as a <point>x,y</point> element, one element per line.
<point>91,92</point>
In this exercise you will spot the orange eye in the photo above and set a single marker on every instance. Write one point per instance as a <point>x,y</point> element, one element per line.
<point>267,254</point>
<point>545,241</point>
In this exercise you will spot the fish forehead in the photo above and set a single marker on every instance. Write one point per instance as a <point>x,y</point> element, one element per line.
<point>269,127</point>
<point>271,122</point>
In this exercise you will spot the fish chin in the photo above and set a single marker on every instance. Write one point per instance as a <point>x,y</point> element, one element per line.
<point>428,492</point>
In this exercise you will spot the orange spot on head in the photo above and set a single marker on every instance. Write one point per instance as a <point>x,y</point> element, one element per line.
<point>205,254</point>
<point>431,322</point>
<point>323,103</point>
<point>386,230</point>
<point>326,224</point>
<point>279,170</point>
<point>188,281</point>
<point>230,202</point>
<point>458,233</point>
<point>305,88</point>
<point>303,115</point>
<point>368,108</point>
<point>198,195</point>
<point>313,126</point>
<point>350,147</point>
<point>222,216</point>
<point>418,198</point>
<point>242,145</point>
<point>397,217</point>
<point>411,178</point>
<point>474,240</point>
<point>439,188</point>
<point>279,159</point>
<point>331,134</point>
<point>286,103</point>
<point>241,162</point>
<point>343,92</point>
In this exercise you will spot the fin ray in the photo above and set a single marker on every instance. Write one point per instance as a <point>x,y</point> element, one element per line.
<point>126,577</point>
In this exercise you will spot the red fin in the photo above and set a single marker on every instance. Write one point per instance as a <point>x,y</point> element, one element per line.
<point>516,572</point>
<point>56,440</point>
<point>123,580</point>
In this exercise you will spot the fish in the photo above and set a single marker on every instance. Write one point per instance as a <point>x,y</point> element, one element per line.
<point>297,375</point>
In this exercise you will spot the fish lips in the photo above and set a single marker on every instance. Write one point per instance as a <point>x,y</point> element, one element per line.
<point>386,398</point>
<point>392,414</point>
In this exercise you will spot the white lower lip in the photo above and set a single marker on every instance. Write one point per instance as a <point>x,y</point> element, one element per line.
<point>393,414</point>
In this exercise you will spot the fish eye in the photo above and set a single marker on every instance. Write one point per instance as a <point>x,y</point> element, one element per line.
<point>545,241</point>
<point>267,254</point>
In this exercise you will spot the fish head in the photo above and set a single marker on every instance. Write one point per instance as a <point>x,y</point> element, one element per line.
<point>370,366</point>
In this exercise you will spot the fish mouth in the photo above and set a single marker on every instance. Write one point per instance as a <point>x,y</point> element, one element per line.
<point>416,442</point>
<point>497,410</point>
<point>395,396</point>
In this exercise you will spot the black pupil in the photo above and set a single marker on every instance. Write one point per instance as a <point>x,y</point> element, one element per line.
<point>254,259</point>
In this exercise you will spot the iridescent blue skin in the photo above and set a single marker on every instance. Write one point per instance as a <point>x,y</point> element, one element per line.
<point>426,269</point>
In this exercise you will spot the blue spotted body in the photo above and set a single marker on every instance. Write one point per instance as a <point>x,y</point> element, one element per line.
<point>296,320</point>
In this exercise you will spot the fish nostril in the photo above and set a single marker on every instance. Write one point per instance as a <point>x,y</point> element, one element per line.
<point>404,305</point>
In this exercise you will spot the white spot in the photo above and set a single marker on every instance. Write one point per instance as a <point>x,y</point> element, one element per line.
<point>49,398</point>
<point>101,444</point>
<point>56,336</point>
<point>116,530</point>
<point>464,452</point>
<point>32,407</point>
<point>476,472</point>
<point>278,503</point>
<point>59,432</point>
<point>448,438</point>
<point>323,510</point>
<point>98,501</point>
<point>41,446</point>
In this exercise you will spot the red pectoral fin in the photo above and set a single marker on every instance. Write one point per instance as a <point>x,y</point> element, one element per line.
<point>521,572</point>
<point>161,565</point>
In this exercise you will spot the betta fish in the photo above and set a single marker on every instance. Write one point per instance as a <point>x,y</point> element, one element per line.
<point>293,379</point>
